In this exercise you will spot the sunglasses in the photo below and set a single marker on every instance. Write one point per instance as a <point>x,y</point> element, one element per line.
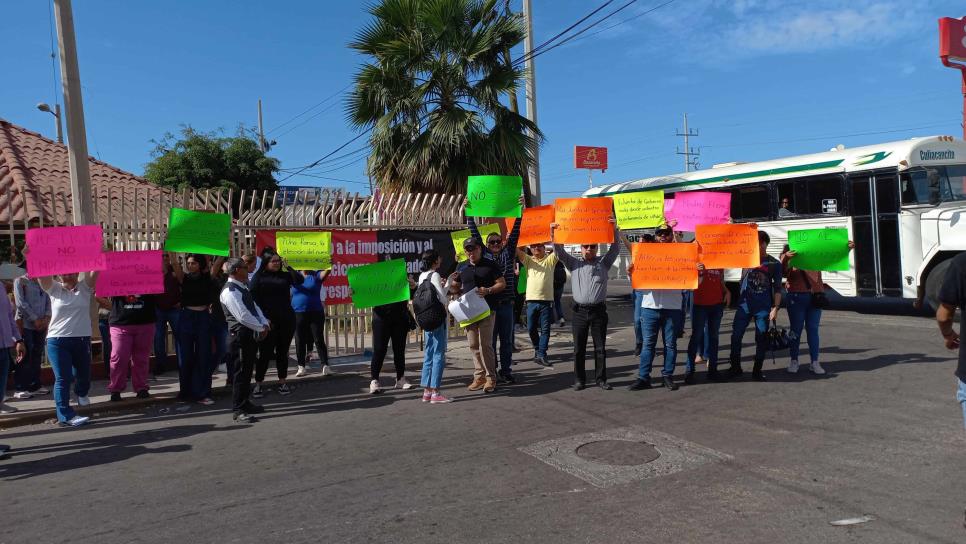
<point>589,246</point>
<point>493,242</point>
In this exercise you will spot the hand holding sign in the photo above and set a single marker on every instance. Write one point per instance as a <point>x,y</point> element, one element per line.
<point>664,266</point>
<point>494,196</point>
<point>639,210</point>
<point>305,250</point>
<point>820,249</point>
<point>728,246</point>
<point>379,283</point>
<point>64,250</point>
<point>699,208</point>
<point>584,221</point>
<point>535,228</point>
<point>131,273</point>
<point>192,231</point>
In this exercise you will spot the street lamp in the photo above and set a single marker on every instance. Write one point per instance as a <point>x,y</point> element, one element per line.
<point>56,113</point>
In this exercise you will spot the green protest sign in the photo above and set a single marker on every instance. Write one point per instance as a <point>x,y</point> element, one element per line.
<point>305,250</point>
<point>820,249</point>
<point>380,283</point>
<point>522,281</point>
<point>198,232</point>
<point>494,196</point>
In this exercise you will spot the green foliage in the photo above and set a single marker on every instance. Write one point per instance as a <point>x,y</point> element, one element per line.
<point>210,160</point>
<point>432,93</point>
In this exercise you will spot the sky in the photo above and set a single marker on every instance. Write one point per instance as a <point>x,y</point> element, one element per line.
<point>759,79</point>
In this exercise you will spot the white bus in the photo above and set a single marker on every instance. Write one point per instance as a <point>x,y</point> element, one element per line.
<point>904,204</point>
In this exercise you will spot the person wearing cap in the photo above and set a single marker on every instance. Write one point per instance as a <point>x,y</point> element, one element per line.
<point>588,281</point>
<point>485,276</point>
<point>247,326</point>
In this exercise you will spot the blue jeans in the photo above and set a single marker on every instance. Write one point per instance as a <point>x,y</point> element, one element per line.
<point>638,298</point>
<point>742,319</point>
<point>705,324</point>
<point>557,304</point>
<point>194,340</point>
<point>961,397</point>
<point>69,357</point>
<point>539,314</point>
<point>26,375</point>
<point>164,317</point>
<point>801,314</point>
<point>503,330</point>
<point>665,321</point>
<point>219,333</point>
<point>434,357</point>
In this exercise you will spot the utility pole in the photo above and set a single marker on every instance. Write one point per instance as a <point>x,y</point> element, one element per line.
<point>689,163</point>
<point>261,129</point>
<point>531,95</point>
<point>80,173</point>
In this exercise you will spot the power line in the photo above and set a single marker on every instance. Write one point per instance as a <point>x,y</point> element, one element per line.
<point>629,19</point>
<point>326,99</point>
<point>333,152</point>
<point>53,51</point>
<point>564,31</point>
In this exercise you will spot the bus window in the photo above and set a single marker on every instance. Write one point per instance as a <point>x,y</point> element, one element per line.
<point>921,186</point>
<point>956,177</point>
<point>886,193</point>
<point>810,196</point>
<point>750,203</point>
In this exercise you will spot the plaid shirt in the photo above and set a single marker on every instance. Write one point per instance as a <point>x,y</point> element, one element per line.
<point>506,258</point>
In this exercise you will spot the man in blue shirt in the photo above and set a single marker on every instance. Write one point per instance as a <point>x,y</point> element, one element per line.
<point>759,298</point>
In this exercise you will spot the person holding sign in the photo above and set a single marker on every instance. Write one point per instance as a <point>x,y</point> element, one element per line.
<point>272,288</point>
<point>588,280</point>
<point>806,299</point>
<point>391,323</point>
<point>132,334</point>
<point>198,292</point>
<point>310,320</point>
<point>710,300</point>
<point>246,327</point>
<point>759,297</point>
<point>539,297</point>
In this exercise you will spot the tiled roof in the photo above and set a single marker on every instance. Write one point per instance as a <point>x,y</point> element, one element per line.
<point>33,167</point>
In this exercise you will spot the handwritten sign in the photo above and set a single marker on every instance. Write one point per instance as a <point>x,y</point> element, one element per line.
<point>700,208</point>
<point>494,196</point>
<point>728,246</point>
<point>198,232</point>
<point>65,250</point>
<point>584,220</point>
<point>131,273</point>
<point>820,249</point>
<point>460,236</point>
<point>304,250</point>
<point>536,225</point>
<point>639,210</point>
<point>380,283</point>
<point>664,266</point>
<point>668,206</point>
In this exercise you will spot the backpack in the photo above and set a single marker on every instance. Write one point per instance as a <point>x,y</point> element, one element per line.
<point>429,310</point>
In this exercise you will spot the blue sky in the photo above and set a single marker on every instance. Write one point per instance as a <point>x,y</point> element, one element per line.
<point>759,78</point>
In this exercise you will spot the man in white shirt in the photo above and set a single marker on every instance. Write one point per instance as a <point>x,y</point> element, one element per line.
<point>246,326</point>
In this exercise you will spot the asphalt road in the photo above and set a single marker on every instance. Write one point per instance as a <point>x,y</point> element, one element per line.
<point>880,435</point>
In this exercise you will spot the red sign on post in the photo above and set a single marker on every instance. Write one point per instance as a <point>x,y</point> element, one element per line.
<point>952,38</point>
<point>592,158</point>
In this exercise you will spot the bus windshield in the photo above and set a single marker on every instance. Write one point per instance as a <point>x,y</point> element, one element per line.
<point>933,185</point>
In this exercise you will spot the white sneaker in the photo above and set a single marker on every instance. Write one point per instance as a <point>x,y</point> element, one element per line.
<point>223,368</point>
<point>5,409</point>
<point>374,387</point>
<point>83,401</point>
<point>403,383</point>
<point>327,370</point>
<point>817,368</point>
<point>77,421</point>
<point>301,372</point>
<point>793,366</point>
<point>22,395</point>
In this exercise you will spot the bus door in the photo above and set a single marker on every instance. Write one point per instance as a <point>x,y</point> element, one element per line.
<point>874,206</point>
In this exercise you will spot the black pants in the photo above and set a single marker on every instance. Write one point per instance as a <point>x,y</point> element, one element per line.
<point>309,331</point>
<point>242,351</point>
<point>519,303</point>
<point>593,320</point>
<point>276,344</point>
<point>384,330</point>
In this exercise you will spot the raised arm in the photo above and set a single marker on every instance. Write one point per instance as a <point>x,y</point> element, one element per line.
<point>474,230</point>
<point>511,242</point>
<point>614,250</point>
<point>294,276</point>
<point>90,278</point>
<point>176,268</point>
<point>324,274</point>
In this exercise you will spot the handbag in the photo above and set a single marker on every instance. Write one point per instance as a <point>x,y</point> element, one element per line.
<point>777,337</point>
<point>819,300</point>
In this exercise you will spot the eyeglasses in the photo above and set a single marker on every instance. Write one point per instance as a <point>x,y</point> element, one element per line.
<point>493,242</point>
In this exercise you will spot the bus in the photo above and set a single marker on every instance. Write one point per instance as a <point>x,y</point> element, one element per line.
<point>903,203</point>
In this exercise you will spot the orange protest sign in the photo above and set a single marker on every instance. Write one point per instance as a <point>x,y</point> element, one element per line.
<point>664,266</point>
<point>584,220</point>
<point>536,225</point>
<point>728,246</point>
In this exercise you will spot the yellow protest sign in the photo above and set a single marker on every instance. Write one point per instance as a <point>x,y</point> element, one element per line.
<point>460,235</point>
<point>639,210</point>
<point>305,250</point>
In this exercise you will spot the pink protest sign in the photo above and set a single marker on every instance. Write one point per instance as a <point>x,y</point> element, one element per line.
<point>668,206</point>
<point>699,208</point>
<point>131,273</point>
<point>63,250</point>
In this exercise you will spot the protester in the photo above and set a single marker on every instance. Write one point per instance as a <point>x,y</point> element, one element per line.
<point>33,309</point>
<point>805,289</point>
<point>246,327</point>
<point>167,313</point>
<point>952,295</point>
<point>198,292</point>
<point>710,300</point>
<point>390,322</point>
<point>271,286</point>
<point>503,252</point>
<point>759,298</point>
<point>539,297</point>
<point>485,276</point>
<point>131,334</point>
<point>219,326</point>
<point>434,354</point>
<point>588,282</point>
<point>559,281</point>
<point>310,320</point>
<point>9,337</point>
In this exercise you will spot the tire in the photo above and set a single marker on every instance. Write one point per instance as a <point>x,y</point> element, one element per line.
<point>934,282</point>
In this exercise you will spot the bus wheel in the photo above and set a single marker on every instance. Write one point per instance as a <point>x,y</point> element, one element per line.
<point>934,281</point>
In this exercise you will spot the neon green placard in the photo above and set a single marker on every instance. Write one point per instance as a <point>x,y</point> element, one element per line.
<point>494,196</point>
<point>198,232</point>
<point>305,250</point>
<point>820,249</point>
<point>380,283</point>
<point>639,210</point>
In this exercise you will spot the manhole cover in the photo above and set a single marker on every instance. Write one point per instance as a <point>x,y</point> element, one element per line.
<point>618,452</point>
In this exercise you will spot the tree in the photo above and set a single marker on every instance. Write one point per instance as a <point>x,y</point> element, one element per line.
<point>210,160</point>
<point>432,94</point>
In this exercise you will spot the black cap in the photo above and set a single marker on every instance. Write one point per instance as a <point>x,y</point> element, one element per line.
<point>471,242</point>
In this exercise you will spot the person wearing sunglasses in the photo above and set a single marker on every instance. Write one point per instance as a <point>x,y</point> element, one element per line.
<point>759,297</point>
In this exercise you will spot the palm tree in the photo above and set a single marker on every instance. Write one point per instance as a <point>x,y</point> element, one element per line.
<point>431,94</point>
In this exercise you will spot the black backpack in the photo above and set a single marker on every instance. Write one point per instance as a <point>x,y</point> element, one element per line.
<point>430,311</point>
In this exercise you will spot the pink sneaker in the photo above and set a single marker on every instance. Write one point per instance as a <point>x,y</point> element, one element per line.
<point>427,395</point>
<point>437,398</point>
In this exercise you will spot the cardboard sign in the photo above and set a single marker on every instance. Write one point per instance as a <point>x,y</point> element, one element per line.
<point>664,266</point>
<point>494,196</point>
<point>379,283</point>
<point>536,225</point>
<point>584,220</point>
<point>589,157</point>
<point>305,250</point>
<point>640,210</point>
<point>728,246</point>
<point>820,249</point>
<point>131,273</point>
<point>460,236</point>
<point>198,232</point>
<point>65,250</point>
<point>700,208</point>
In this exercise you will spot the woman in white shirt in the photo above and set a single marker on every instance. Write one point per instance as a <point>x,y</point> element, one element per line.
<point>434,356</point>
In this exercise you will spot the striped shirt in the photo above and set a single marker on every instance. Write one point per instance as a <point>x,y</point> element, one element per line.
<point>506,258</point>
